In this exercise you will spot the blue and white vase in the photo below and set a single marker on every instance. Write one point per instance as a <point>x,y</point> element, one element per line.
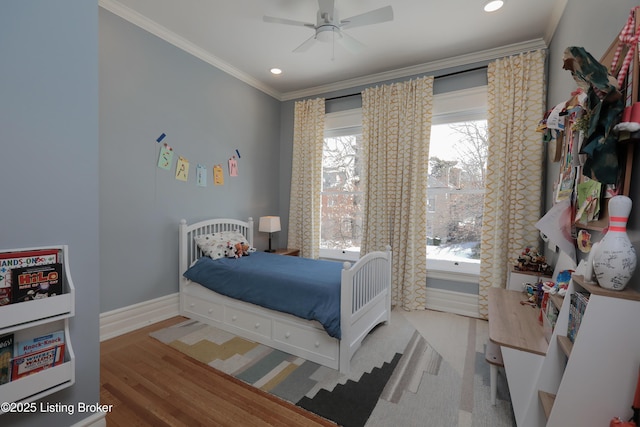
<point>614,260</point>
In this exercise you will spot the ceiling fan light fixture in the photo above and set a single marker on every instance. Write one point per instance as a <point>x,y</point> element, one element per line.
<point>276,71</point>
<point>493,5</point>
<point>325,33</point>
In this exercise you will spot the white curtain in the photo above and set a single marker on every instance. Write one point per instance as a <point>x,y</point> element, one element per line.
<point>306,177</point>
<point>513,192</point>
<point>396,128</point>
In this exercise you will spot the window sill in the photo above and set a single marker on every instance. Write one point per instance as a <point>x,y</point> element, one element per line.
<point>338,255</point>
<point>453,276</point>
<point>458,271</point>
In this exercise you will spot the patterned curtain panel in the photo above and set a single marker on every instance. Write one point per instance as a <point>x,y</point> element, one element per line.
<point>396,127</point>
<point>513,195</point>
<point>306,177</point>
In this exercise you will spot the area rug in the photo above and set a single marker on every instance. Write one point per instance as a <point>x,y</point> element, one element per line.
<point>397,378</point>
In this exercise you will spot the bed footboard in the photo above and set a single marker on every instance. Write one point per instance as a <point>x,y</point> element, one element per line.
<point>365,301</point>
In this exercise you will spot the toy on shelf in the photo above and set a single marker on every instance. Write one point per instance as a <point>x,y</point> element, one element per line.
<point>532,260</point>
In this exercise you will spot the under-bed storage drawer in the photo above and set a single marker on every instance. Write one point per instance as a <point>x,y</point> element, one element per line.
<point>306,338</point>
<point>203,308</point>
<point>249,322</point>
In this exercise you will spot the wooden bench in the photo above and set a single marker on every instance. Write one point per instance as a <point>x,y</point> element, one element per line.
<point>493,356</point>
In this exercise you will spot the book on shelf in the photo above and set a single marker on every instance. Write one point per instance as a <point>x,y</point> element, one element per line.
<point>577,307</point>
<point>6,355</point>
<point>19,259</point>
<point>39,353</point>
<point>36,282</point>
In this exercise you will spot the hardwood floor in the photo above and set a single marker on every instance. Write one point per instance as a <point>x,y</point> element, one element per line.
<point>151,384</point>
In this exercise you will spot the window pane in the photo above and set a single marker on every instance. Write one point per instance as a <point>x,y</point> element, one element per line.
<point>457,167</point>
<point>341,225</point>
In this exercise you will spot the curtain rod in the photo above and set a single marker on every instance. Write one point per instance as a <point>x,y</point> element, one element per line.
<point>455,73</point>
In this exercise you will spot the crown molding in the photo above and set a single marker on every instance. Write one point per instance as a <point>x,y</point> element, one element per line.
<point>169,36</point>
<point>554,21</point>
<point>429,67</point>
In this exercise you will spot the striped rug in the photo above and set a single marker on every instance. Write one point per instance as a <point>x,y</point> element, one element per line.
<point>397,377</point>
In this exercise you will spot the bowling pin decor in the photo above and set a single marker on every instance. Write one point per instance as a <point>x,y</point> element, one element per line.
<point>614,260</point>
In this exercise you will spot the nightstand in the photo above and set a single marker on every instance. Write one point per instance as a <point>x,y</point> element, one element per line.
<point>290,252</point>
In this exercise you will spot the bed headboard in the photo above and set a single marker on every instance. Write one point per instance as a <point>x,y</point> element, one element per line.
<point>189,251</point>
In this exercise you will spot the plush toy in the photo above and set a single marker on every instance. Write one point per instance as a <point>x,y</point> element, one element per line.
<point>238,250</point>
<point>230,251</point>
<point>246,249</point>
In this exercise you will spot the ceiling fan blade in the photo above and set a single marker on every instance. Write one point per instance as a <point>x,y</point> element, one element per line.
<point>306,45</point>
<point>376,16</point>
<point>274,20</point>
<point>350,43</point>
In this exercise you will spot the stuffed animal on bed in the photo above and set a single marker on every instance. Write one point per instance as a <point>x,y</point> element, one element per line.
<point>238,250</point>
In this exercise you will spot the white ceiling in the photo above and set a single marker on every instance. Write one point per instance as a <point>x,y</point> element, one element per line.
<point>423,36</point>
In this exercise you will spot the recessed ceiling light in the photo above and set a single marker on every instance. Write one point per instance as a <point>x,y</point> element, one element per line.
<point>276,71</point>
<point>493,5</point>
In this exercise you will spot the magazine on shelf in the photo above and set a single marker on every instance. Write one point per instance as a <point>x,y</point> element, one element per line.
<point>6,354</point>
<point>19,259</point>
<point>42,342</point>
<point>577,307</point>
<point>31,283</point>
<point>39,353</point>
<point>32,363</point>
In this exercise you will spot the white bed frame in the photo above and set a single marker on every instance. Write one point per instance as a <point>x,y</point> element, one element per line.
<point>365,302</point>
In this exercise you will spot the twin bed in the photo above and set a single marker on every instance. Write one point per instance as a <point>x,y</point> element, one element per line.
<point>318,310</point>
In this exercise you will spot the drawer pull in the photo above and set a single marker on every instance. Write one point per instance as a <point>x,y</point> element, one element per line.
<point>210,310</point>
<point>191,305</point>
<point>317,344</point>
<point>287,335</point>
<point>234,318</point>
<point>257,325</point>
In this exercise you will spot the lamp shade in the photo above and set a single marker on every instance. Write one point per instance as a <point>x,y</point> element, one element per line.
<point>269,224</point>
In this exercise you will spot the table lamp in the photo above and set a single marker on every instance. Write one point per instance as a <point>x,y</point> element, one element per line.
<point>269,224</point>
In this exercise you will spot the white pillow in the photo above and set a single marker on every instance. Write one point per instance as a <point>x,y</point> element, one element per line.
<point>219,245</point>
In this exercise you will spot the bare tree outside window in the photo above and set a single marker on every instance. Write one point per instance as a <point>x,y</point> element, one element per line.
<point>457,171</point>
<point>341,224</point>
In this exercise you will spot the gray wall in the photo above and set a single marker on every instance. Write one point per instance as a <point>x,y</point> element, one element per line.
<point>49,162</point>
<point>592,24</point>
<point>149,87</point>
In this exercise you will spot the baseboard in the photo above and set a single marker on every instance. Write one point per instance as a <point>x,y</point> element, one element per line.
<point>127,319</point>
<point>120,321</point>
<point>452,302</point>
<point>95,420</point>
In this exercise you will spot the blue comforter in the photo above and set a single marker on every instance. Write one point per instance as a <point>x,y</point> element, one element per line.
<point>300,286</point>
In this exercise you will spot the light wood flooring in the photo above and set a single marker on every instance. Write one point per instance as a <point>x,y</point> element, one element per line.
<point>151,384</point>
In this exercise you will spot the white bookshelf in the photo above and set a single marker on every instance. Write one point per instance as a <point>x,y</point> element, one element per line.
<point>33,318</point>
<point>593,379</point>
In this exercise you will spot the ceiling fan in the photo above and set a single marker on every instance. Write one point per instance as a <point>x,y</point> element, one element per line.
<point>328,26</point>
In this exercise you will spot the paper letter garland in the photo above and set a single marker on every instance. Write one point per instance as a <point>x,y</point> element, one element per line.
<point>233,166</point>
<point>182,169</point>
<point>165,161</point>
<point>166,157</point>
<point>201,176</point>
<point>218,175</point>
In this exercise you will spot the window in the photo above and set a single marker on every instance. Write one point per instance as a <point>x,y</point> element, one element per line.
<point>457,167</point>
<point>458,151</point>
<point>341,206</point>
